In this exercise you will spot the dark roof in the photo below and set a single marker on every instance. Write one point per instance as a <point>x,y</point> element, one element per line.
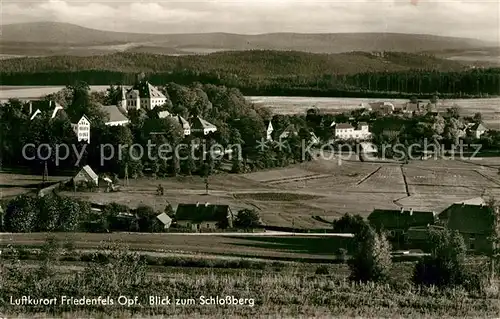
<point>146,90</point>
<point>114,112</point>
<point>200,124</point>
<point>468,218</point>
<point>202,212</point>
<point>344,126</point>
<point>400,219</point>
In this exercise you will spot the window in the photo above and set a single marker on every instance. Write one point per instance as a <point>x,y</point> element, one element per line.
<point>472,237</point>
<point>208,225</point>
<point>472,246</point>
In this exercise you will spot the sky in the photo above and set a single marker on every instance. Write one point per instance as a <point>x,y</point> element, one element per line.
<point>472,19</point>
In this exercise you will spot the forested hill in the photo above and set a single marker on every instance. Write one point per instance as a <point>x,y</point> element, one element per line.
<point>251,63</point>
<point>355,74</point>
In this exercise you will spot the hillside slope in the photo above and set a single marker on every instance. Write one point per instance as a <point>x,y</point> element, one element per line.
<point>245,63</point>
<point>52,38</point>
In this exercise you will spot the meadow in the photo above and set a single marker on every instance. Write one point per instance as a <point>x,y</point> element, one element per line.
<point>297,195</point>
<point>275,289</point>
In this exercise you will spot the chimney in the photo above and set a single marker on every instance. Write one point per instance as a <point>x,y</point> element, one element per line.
<point>206,204</point>
<point>197,204</point>
<point>402,210</point>
<point>411,211</point>
<point>31,107</point>
<point>50,103</point>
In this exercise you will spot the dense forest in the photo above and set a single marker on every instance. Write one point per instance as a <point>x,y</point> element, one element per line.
<point>354,74</point>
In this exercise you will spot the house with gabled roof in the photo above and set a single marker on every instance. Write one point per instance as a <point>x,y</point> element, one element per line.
<point>82,129</point>
<point>116,115</point>
<point>204,216</point>
<point>186,127</point>
<point>143,95</point>
<point>397,222</point>
<point>86,174</point>
<point>474,222</point>
<point>48,109</point>
<point>199,125</point>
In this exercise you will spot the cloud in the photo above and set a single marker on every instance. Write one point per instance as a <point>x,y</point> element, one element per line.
<point>478,19</point>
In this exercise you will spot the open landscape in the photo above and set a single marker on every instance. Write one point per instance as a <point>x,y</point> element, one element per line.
<point>250,159</point>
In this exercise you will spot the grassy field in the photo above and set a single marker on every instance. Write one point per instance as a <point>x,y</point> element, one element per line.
<point>290,291</point>
<point>326,188</point>
<point>267,247</point>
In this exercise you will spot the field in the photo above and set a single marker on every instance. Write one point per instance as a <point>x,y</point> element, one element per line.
<point>272,289</point>
<point>276,247</point>
<point>297,195</point>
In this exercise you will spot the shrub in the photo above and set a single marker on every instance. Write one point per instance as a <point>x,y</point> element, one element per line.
<point>446,265</point>
<point>322,270</point>
<point>354,224</point>
<point>247,218</point>
<point>372,258</point>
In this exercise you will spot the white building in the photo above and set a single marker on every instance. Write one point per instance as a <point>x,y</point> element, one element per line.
<point>269,130</point>
<point>142,95</point>
<point>82,129</point>
<point>199,125</point>
<point>116,115</point>
<point>186,127</point>
<point>345,131</point>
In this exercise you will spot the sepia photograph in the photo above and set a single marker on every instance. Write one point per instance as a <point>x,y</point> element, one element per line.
<point>249,159</point>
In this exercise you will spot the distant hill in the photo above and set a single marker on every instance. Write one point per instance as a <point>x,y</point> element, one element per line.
<point>52,38</point>
<point>242,63</point>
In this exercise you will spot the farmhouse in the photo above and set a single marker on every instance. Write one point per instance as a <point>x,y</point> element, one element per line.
<point>199,125</point>
<point>397,222</point>
<point>345,131</point>
<point>116,115</point>
<point>86,174</point>
<point>204,216</point>
<point>473,222</point>
<point>477,130</point>
<point>143,95</point>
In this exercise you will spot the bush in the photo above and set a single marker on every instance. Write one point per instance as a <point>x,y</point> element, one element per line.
<point>247,218</point>
<point>353,224</point>
<point>372,259</point>
<point>322,270</point>
<point>446,265</point>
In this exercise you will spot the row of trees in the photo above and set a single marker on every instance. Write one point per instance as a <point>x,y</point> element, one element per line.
<point>354,74</point>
